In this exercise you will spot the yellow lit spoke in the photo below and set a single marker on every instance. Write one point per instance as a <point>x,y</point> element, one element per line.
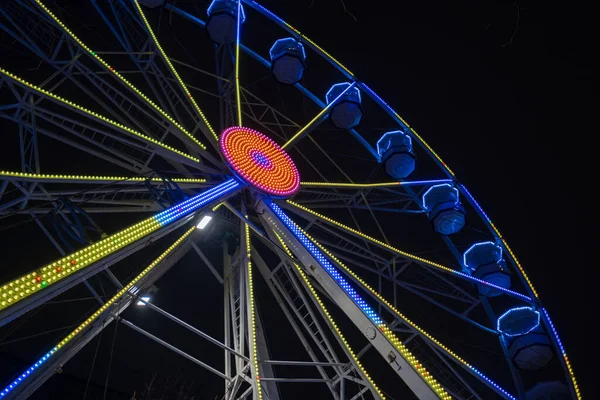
<point>123,291</point>
<point>349,185</point>
<point>252,331</point>
<point>379,242</point>
<point>174,71</point>
<point>330,319</point>
<point>96,115</point>
<point>93,178</point>
<point>238,97</point>
<point>390,306</point>
<point>20,288</point>
<point>118,75</point>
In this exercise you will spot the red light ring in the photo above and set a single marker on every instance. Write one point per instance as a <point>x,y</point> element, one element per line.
<point>259,161</point>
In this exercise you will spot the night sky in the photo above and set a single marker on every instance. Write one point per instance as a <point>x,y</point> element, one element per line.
<point>499,89</point>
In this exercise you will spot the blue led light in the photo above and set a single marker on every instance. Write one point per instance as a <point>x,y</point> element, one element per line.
<point>336,90</point>
<point>562,349</point>
<point>496,253</point>
<point>395,138</point>
<point>261,158</point>
<point>228,6</point>
<point>282,46</point>
<point>527,317</point>
<point>453,192</point>
<point>163,218</point>
<point>324,262</point>
<point>193,203</point>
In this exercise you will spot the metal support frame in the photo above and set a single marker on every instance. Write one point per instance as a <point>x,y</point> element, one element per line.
<point>48,369</point>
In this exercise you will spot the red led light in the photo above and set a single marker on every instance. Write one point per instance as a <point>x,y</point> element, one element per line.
<point>259,161</point>
<point>38,278</point>
<point>73,262</point>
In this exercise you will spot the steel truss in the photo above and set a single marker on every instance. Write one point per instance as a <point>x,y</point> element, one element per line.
<point>132,133</point>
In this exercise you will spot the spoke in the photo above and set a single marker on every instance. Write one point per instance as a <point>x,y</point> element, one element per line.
<point>238,98</point>
<point>411,371</point>
<point>421,260</point>
<point>93,179</point>
<point>94,316</point>
<point>174,71</point>
<point>36,281</point>
<point>318,118</point>
<point>337,330</point>
<point>115,73</point>
<point>474,371</point>
<point>342,185</point>
<point>251,316</point>
<point>147,139</point>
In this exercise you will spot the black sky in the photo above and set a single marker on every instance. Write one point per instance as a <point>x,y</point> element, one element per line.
<point>501,90</point>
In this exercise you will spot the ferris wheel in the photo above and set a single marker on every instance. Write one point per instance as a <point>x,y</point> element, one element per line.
<point>346,238</point>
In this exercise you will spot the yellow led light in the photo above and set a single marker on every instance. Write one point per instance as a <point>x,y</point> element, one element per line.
<point>349,185</point>
<point>26,175</point>
<point>124,290</point>
<point>174,71</point>
<point>81,259</point>
<point>111,69</point>
<point>254,353</point>
<point>410,358</point>
<point>379,242</point>
<point>330,318</point>
<point>94,114</point>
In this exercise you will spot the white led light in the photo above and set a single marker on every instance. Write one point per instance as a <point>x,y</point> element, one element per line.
<point>141,303</point>
<point>204,221</point>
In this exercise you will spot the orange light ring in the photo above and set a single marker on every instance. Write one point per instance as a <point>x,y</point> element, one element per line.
<point>259,161</point>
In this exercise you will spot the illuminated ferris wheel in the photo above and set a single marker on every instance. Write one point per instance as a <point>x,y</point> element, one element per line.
<point>350,258</point>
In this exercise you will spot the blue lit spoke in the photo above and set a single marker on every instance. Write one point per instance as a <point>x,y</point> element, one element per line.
<point>324,262</point>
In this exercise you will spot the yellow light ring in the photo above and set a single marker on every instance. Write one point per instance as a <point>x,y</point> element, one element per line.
<point>96,115</point>
<point>121,77</point>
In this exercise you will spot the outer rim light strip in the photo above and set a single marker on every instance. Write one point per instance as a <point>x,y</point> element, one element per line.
<point>564,355</point>
<point>371,185</point>
<point>96,115</point>
<point>408,255</point>
<point>27,175</point>
<point>254,357</point>
<point>502,239</point>
<point>359,301</point>
<point>495,386</point>
<point>174,71</point>
<point>319,115</point>
<point>115,73</point>
<point>16,290</point>
<point>238,96</point>
<point>94,316</point>
<point>330,318</point>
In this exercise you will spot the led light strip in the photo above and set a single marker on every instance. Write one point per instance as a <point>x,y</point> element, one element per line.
<point>319,115</point>
<point>173,70</point>
<point>408,255</point>
<point>26,175</point>
<point>254,4</point>
<point>372,185</point>
<point>20,288</point>
<point>254,355</point>
<point>359,301</point>
<point>96,115</point>
<point>238,97</point>
<point>121,77</point>
<point>94,316</point>
<point>564,355</point>
<point>330,318</point>
<point>494,385</point>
